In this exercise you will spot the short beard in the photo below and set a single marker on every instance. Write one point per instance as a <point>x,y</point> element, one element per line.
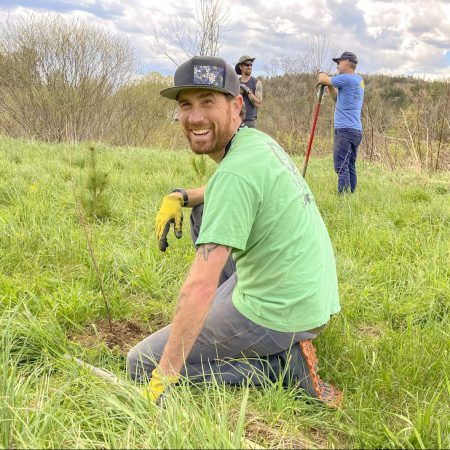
<point>220,144</point>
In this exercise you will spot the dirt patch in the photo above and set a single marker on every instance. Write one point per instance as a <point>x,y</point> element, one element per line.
<point>370,330</point>
<point>276,435</point>
<point>122,336</point>
<point>257,431</point>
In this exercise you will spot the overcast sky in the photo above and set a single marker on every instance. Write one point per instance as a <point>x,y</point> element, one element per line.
<point>408,37</point>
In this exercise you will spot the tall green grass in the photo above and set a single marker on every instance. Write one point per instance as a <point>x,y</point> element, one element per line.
<point>388,349</point>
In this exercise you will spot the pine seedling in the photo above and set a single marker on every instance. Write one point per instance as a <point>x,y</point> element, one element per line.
<point>95,200</point>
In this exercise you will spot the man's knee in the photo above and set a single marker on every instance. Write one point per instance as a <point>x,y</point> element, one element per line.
<point>139,367</point>
<point>132,364</point>
<point>339,164</point>
<point>341,158</point>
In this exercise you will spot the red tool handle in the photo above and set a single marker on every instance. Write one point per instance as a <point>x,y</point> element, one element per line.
<point>311,137</point>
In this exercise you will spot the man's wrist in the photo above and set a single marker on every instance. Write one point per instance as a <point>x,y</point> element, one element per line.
<point>183,193</point>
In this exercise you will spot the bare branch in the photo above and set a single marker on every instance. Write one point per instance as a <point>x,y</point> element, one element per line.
<point>202,35</point>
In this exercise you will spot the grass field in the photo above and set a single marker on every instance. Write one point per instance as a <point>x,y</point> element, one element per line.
<point>388,349</point>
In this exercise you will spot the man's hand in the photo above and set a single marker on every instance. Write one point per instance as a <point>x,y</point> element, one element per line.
<point>158,384</point>
<point>171,211</point>
<point>324,78</point>
<point>245,88</point>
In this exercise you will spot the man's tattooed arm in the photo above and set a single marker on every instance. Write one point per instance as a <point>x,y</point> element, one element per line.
<point>206,249</point>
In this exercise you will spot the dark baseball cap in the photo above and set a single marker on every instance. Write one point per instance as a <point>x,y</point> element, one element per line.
<point>242,59</point>
<point>346,55</point>
<point>204,72</point>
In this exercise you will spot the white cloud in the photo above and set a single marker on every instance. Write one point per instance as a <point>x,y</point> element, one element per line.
<point>403,37</point>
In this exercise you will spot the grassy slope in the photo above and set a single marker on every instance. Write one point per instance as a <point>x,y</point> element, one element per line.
<point>388,349</point>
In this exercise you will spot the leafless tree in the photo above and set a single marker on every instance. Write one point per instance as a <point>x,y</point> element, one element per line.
<point>202,35</point>
<point>316,54</point>
<point>58,76</point>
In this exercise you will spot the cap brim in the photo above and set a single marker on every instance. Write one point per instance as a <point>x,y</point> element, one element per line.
<point>336,60</point>
<point>173,92</point>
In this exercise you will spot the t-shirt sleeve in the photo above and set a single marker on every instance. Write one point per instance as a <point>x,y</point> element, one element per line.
<point>231,205</point>
<point>340,81</point>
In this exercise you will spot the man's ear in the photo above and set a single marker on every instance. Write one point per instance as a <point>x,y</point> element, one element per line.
<point>238,101</point>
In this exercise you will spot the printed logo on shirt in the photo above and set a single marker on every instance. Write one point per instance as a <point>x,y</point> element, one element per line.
<point>299,181</point>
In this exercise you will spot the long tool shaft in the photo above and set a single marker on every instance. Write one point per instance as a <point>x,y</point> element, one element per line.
<point>313,129</point>
<point>96,370</point>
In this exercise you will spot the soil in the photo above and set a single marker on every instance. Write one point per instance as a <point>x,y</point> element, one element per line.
<point>370,330</point>
<point>275,435</point>
<point>122,336</point>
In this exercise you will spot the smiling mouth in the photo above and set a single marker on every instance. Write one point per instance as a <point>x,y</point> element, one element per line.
<point>200,132</point>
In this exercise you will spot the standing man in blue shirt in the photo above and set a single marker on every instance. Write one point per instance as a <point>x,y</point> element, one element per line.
<point>347,90</point>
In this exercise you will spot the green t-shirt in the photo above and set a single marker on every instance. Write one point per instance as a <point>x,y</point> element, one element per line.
<point>257,203</point>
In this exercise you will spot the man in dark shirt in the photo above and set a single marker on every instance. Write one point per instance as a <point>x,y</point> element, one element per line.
<point>251,90</point>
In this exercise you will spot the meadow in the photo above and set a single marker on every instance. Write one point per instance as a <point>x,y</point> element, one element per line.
<point>388,350</point>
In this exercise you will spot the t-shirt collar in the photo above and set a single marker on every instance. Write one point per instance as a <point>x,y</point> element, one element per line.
<point>227,147</point>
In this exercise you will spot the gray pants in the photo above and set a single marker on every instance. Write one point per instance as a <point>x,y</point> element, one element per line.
<point>230,348</point>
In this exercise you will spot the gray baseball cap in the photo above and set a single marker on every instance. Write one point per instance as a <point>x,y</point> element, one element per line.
<point>346,55</point>
<point>242,59</point>
<point>204,72</point>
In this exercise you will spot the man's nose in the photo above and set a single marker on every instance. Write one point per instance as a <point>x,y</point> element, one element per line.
<point>196,114</point>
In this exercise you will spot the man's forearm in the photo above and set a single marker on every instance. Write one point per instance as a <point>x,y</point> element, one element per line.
<point>256,98</point>
<point>333,92</point>
<point>196,196</point>
<point>192,309</point>
<point>325,79</point>
<point>194,301</point>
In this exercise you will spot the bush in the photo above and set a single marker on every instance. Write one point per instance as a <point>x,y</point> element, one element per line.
<point>57,78</point>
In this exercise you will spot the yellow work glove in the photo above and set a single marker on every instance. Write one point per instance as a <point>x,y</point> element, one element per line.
<point>157,385</point>
<point>171,211</point>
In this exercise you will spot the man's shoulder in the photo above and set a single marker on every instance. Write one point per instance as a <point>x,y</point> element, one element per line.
<point>250,136</point>
<point>249,149</point>
<point>346,79</point>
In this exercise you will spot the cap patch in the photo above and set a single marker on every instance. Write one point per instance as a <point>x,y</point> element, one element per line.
<point>209,75</point>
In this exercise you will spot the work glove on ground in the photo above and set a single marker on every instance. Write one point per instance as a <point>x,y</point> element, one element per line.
<point>245,88</point>
<point>157,386</point>
<point>171,211</point>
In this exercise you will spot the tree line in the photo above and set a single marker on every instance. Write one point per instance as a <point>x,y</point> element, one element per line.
<point>66,80</point>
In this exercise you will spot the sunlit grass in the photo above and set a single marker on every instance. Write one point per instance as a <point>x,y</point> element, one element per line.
<point>388,349</point>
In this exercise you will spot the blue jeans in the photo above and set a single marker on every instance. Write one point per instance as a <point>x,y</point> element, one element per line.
<point>230,348</point>
<point>345,151</point>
